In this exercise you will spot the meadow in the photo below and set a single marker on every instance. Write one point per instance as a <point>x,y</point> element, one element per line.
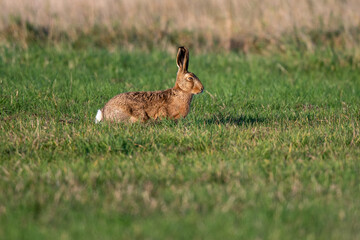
<point>203,25</point>
<point>270,150</point>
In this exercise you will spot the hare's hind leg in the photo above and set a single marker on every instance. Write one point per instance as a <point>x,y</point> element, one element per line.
<point>125,114</point>
<point>139,114</point>
<point>117,115</point>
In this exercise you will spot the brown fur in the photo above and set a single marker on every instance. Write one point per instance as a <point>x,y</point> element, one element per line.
<point>173,103</point>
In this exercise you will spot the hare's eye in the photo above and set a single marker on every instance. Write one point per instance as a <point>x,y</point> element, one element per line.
<point>189,78</point>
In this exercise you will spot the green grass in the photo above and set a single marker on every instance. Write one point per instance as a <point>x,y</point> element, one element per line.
<point>270,150</point>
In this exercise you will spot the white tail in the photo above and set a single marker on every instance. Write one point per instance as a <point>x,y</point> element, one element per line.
<point>99,116</point>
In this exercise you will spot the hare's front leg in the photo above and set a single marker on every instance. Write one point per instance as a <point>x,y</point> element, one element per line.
<point>161,113</point>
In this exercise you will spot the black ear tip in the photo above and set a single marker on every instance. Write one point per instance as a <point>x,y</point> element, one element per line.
<point>182,48</point>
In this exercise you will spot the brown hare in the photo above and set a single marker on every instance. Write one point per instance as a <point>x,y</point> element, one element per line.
<point>173,103</point>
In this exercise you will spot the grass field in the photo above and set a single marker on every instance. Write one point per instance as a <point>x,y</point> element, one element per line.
<point>204,25</point>
<point>270,150</point>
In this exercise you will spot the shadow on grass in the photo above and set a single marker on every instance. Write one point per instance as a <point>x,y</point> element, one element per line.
<point>234,120</point>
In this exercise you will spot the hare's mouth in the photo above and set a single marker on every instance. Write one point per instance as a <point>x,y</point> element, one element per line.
<point>198,90</point>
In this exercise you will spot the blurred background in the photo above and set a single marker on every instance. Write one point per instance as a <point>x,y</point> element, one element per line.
<point>231,25</point>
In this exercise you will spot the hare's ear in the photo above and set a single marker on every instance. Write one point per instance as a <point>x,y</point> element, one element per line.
<point>182,59</point>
